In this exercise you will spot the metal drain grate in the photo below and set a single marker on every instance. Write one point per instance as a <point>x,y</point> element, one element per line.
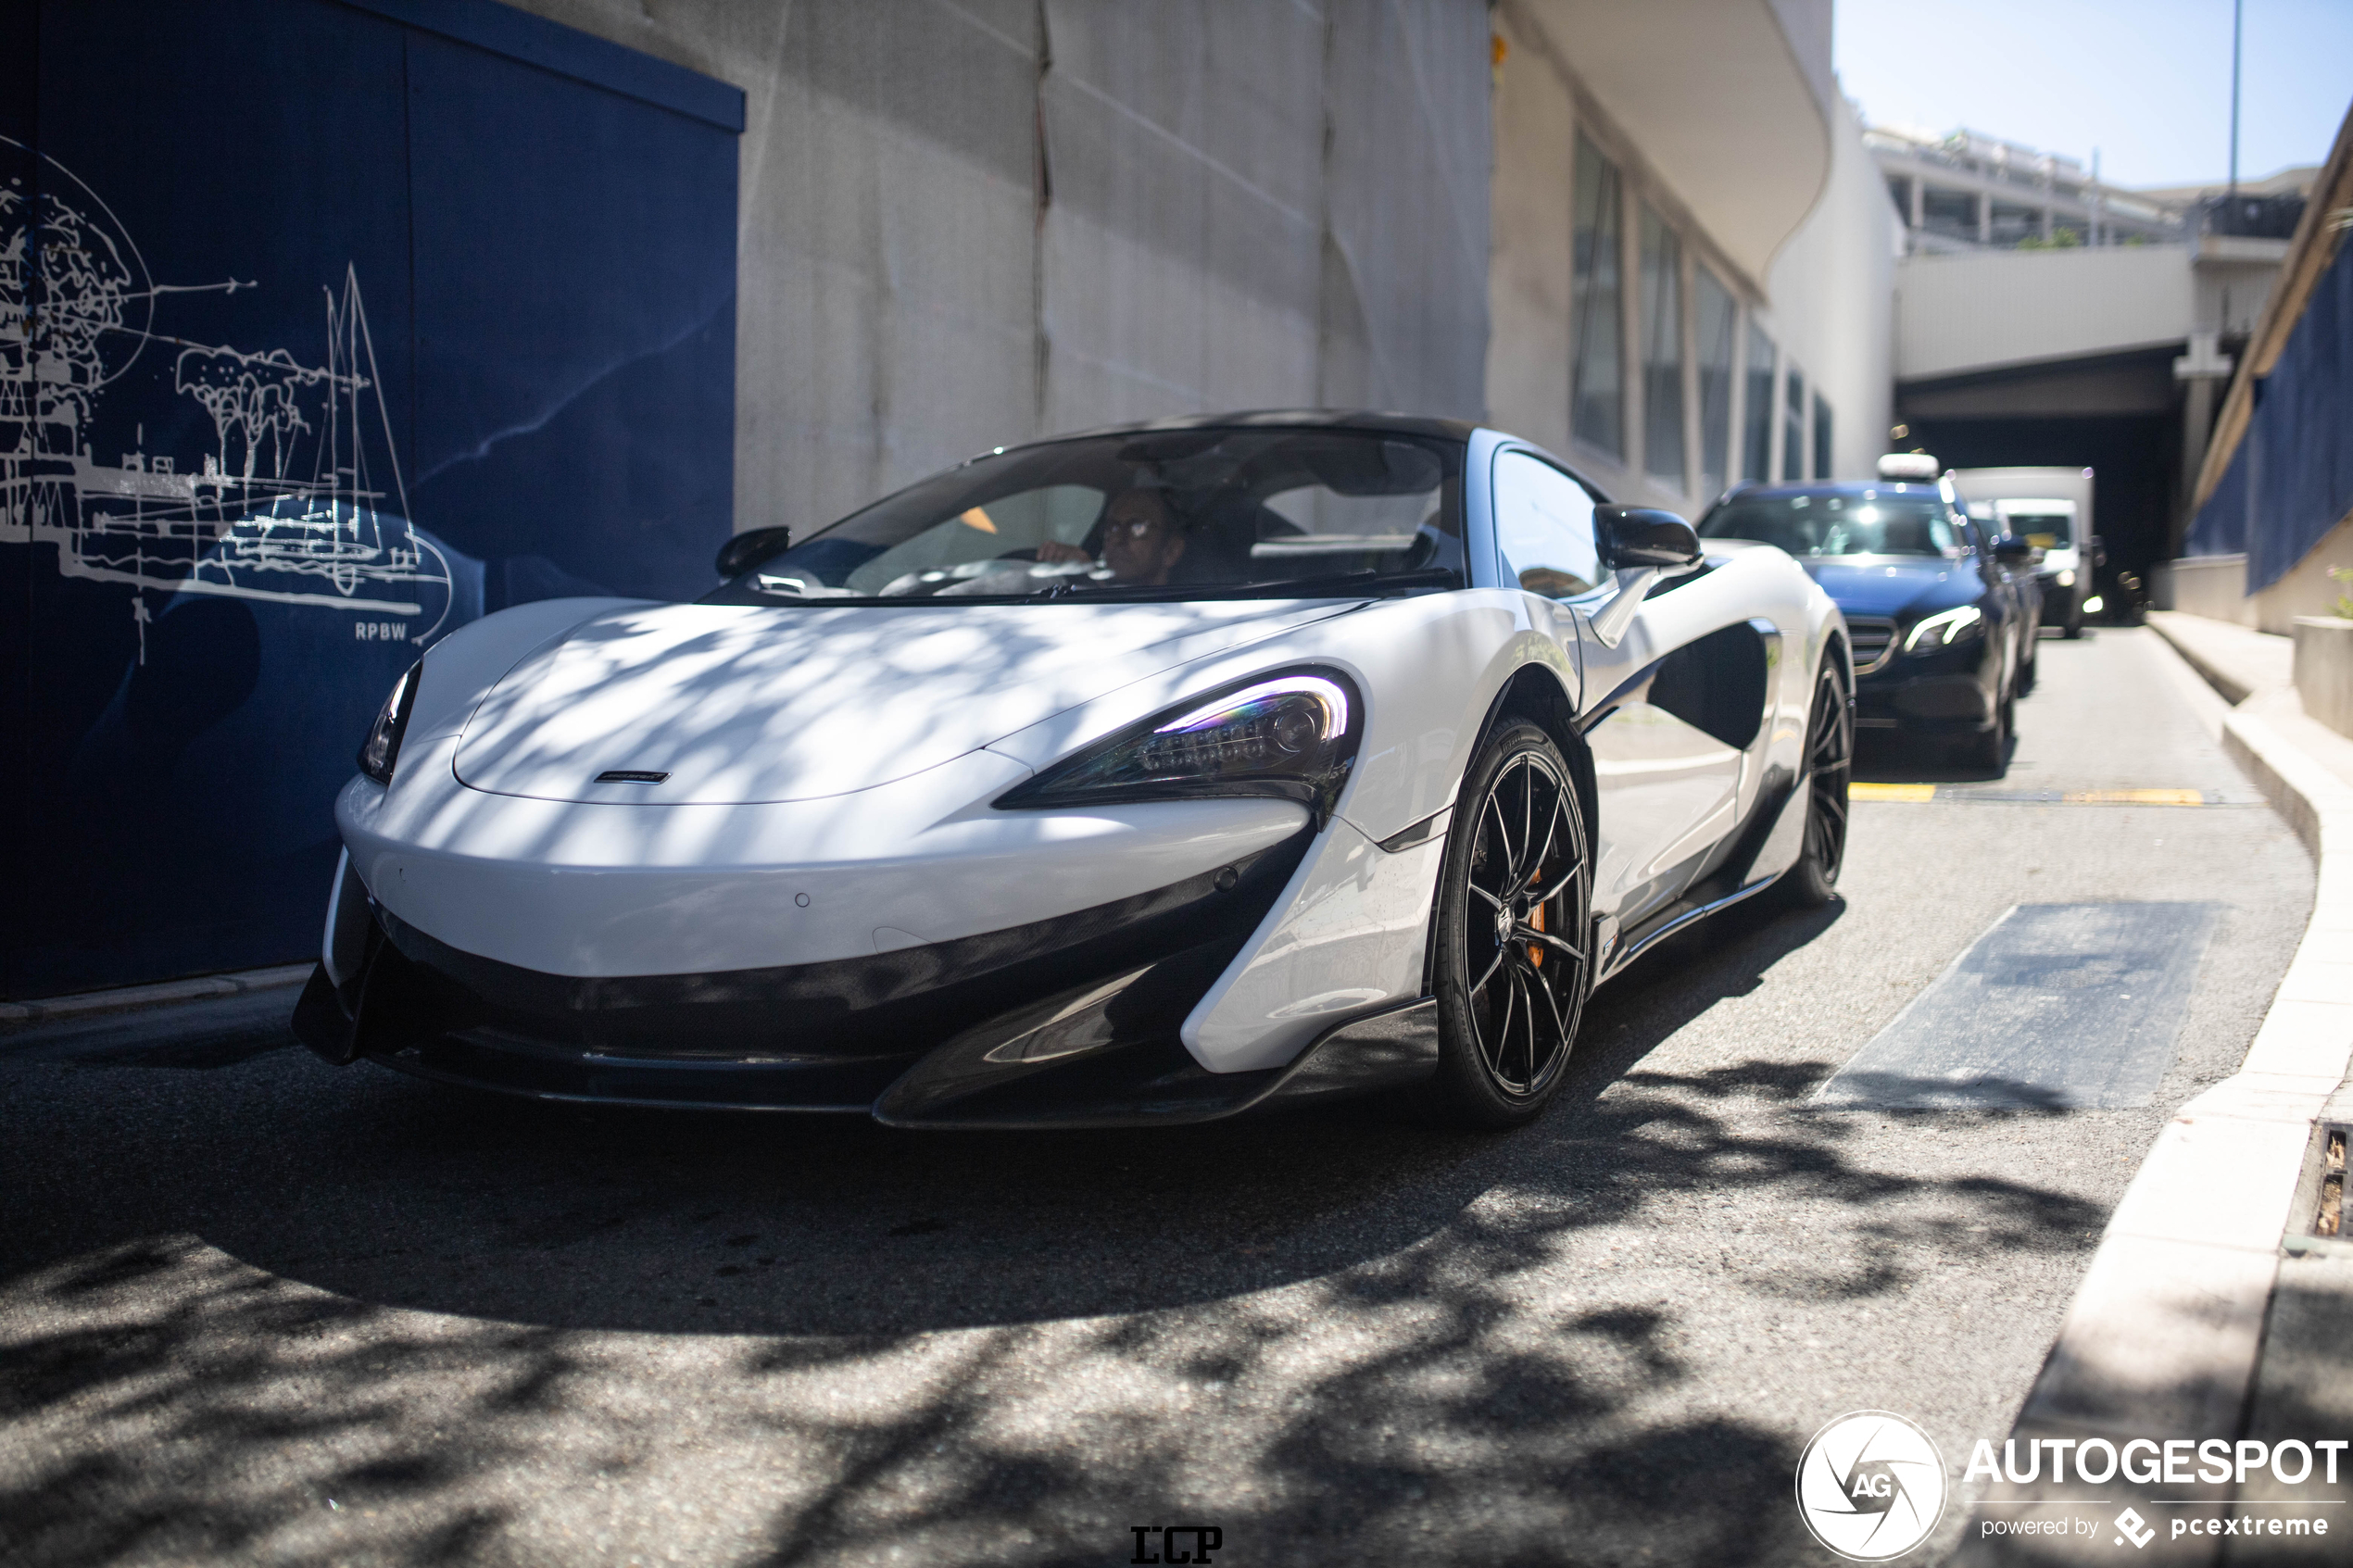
<point>2329,1213</point>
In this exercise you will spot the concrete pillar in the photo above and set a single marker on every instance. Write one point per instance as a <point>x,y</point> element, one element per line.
<point>1984,218</point>
<point>2197,423</point>
<point>2200,371</point>
<point>1919,201</point>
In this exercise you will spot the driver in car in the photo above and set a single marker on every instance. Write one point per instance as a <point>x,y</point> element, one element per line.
<point>1143,539</point>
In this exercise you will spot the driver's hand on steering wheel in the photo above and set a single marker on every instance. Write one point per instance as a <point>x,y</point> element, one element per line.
<point>1055,550</point>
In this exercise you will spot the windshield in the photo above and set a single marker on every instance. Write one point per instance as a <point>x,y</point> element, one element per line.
<point>1866,524</point>
<point>1156,514</point>
<point>2045,529</point>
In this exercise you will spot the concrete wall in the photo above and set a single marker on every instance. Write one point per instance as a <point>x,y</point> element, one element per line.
<point>1830,299</point>
<point>1968,312</point>
<point>966,224</point>
<point>1528,280</point>
<point>2307,588</point>
<point>2214,586</point>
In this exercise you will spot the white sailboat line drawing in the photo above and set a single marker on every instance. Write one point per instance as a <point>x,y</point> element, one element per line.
<point>287,508</point>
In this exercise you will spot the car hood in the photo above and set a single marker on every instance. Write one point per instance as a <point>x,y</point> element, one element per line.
<point>1884,586</point>
<point>738,705</point>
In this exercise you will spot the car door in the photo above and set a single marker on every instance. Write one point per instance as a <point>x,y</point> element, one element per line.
<point>1667,786</point>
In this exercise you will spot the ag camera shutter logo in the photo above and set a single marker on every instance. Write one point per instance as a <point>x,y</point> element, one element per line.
<point>1871,1485</point>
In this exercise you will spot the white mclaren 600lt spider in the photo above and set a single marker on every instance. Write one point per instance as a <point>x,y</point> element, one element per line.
<point>1143,776</point>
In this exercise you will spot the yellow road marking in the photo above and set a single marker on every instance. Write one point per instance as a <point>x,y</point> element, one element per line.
<point>1914,794</point>
<point>1891,792</point>
<point>2135,798</point>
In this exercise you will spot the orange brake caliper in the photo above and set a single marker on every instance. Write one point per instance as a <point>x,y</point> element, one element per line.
<point>1536,919</point>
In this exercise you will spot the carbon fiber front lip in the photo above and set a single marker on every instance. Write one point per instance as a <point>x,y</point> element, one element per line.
<point>439,1067</point>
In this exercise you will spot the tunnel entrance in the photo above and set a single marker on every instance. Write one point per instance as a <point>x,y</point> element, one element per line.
<point>2119,416</point>
<point>2135,457</point>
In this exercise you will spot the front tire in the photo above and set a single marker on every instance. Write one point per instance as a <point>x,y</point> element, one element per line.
<point>1513,957</point>
<point>1829,767</point>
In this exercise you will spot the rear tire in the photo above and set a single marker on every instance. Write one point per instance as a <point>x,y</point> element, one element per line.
<point>1514,950</point>
<point>1829,767</point>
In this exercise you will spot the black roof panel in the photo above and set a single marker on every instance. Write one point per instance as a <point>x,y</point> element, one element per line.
<point>1279,418</point>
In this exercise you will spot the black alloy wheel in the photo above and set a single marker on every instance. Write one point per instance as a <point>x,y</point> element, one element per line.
<point>1513,949</point>
<point>1829,767</point>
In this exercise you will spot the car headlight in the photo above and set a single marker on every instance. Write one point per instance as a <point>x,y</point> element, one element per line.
<point>1944,628</point>
<point>381,747</point>
<point>2067,578</point>
<point>1291,737</point>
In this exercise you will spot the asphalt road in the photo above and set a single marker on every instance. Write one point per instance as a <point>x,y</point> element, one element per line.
<point>254,1309</point>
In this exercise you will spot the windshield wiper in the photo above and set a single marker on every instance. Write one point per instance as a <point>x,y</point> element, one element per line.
<point>1335,584</point>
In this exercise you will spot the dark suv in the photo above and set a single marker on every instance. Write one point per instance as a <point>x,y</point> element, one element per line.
<point>1943,621</point>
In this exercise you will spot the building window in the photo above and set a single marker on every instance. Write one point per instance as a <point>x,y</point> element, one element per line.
<point>1662,350</point>
<point>1950,213</point>
<point>1794,427</point>
<point>1717,321</point>
<point>1597,371</point>
<point>1821,438</point>
<point>1756,419</point>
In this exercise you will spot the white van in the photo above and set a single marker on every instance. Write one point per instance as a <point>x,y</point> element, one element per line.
<point>2051,509</point>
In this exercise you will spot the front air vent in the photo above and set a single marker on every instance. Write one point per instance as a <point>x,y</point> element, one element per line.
<point>1873,637</point>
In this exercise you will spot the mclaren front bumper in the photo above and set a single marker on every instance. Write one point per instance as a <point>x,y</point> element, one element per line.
<point>1071,1021</point>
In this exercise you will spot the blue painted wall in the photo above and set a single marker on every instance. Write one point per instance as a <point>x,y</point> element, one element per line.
<point>2291,480</point>
<point>350,323</point>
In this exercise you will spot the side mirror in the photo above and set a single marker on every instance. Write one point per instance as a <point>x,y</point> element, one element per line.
<point>750,548</point>
<point>1642,536</point>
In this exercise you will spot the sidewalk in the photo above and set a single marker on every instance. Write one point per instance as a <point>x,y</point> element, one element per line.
<point>2210,1309</point>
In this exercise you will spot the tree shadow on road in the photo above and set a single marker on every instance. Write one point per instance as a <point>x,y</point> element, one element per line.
<point>1344,1336</point>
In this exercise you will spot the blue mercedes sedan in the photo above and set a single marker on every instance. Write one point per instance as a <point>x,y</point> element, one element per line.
<point>1942,618</point>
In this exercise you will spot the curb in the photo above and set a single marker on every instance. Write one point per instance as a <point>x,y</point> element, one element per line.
<point>243,983</point>
<point>2234,691</point>
<point>2165,1335</point>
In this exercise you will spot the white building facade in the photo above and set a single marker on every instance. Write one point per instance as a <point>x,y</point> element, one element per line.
<point>1692,275</point>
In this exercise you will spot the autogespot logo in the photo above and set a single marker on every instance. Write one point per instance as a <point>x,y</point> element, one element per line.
<point>1871,1485</point>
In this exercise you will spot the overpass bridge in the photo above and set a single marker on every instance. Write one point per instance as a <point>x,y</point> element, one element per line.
<point>2109,357</point>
